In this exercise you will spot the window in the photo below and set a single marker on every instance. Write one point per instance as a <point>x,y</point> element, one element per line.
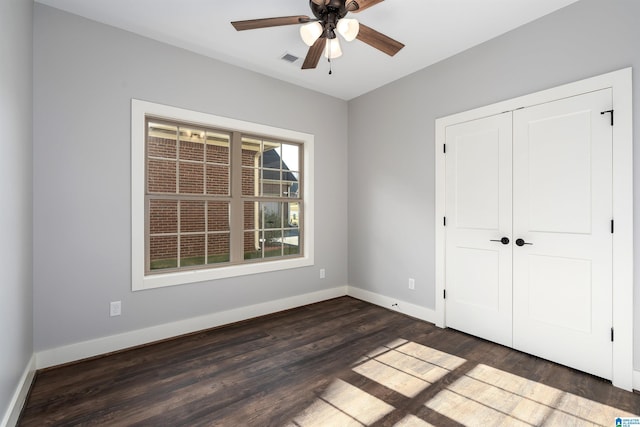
<point>214,197</point>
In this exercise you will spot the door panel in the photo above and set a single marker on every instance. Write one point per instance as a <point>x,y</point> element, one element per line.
<point>478,282</point>
<point>477,156</point>
<point>559,148</point>
<point>568,282</point>
<point>478,271</point>
<point>562,205</point>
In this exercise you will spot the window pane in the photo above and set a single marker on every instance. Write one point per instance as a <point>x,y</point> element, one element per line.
<point>272,243</point>
<point>192,144</point>
<point>192,250</point>
<point>291,234</point>
<point>291,242</point>
<point>163,216</point>
<point>271,215</point>
<point>292,213</point>
<point>191,216</point>
<point>218,180</point>
<point>272,156</point>
<point>250,166</point>
<point>251,145</point>
<point>218,248</point>
<point>271,187</point>
<point>290,157</point>
<point>161,140</point>
<point>251,210</point>
<point>218,216</point>
<point>250,182</point>
<point>191,178</point>
<point>218,148</point>
<point>271,170</point>
<point>163,252</point>
<point>291,188</point>
<point>161,176</point>
<point>253,243</point>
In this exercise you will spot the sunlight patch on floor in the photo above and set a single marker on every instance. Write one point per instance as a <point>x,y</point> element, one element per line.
<point>483,396</point>
<point>407,369</point>
<point>343,404</point>
<point>489,396</point>
<point>412,421</point>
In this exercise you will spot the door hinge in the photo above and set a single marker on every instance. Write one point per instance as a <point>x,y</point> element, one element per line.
<point>444,221</point>
<point>608,111</point>
<point>611,226</point>
<point>611,334</point>
<point>444,293</point>
<point>444,148</point>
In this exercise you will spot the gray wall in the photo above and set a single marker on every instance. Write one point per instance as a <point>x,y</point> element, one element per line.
<point>16,308</point>
<point>85,75</point>
<point>391,134</point>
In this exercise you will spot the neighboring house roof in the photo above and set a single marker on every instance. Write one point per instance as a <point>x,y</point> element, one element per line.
<point>271,160</point>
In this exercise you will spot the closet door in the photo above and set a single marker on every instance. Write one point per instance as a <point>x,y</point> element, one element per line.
<point>478,215</point>
<point>562,207</point>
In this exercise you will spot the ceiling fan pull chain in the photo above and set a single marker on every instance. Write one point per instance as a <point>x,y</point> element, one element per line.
<point>329,60</point>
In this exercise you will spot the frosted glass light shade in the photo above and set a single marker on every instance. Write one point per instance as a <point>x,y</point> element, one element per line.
<point>310,32</point>
<point>348,28</point>
<point>332,49</point>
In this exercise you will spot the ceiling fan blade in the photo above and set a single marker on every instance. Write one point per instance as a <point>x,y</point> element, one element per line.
<point>378,40</point>
<point>360,5</point>
<point>321,2</point>
<point>253,24</point>
<point>314,54</point>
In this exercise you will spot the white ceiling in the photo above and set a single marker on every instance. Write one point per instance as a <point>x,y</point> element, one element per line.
<point>432,30</point>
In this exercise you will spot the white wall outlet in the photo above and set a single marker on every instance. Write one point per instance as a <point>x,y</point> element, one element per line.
<point>322,273</point>
<point>115,308</point>
<point>412,283</point>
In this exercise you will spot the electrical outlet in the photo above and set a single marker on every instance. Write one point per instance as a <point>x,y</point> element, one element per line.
<point>412,283</point>
<point>322,273</point>
<point>115,308</point>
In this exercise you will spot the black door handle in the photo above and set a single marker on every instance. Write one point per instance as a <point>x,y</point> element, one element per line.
<point>504,240</point>
<point>521,242</point>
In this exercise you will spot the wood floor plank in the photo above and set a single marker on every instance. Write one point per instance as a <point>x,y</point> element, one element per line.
<point>283,369</point>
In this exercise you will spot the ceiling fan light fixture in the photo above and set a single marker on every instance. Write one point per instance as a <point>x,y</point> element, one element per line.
<point>348,28</point>
<point>332,49</point>
<point>310,32</point>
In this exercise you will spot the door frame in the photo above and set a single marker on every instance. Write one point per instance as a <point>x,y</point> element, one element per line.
<point>621,84</point>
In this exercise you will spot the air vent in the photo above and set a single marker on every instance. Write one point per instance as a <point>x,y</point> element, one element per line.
<point>289,58</point>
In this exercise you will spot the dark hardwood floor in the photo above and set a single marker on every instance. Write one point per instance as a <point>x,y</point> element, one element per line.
<point>339,362</point>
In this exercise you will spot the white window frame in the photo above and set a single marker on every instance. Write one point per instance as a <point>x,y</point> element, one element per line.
<point>139,281</point>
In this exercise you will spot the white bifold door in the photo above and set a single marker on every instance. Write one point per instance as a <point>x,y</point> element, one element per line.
<point>529,231</point>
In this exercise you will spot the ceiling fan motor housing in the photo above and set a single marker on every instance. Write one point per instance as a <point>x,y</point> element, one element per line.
<point>329,14</point>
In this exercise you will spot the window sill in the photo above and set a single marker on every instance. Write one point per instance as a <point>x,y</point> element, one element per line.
<point>194,276</point>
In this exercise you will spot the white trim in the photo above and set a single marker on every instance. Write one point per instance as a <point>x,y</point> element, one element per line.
<point>636,380</point>
<point>138,279</point>
<point>623,236</point>
<point>99,346</point>
<point>403,307</point>
<point>20,395</point>
<point>621,83</point>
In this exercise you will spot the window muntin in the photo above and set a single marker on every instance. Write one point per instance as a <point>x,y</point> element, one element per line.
<point>190,197</point>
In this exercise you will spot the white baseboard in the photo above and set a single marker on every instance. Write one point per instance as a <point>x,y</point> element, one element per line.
<point>395,304</point>
<point>95,347</point>
<point>10,418</point>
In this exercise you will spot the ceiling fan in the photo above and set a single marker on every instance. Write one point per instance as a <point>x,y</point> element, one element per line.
<point>320,33</point>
